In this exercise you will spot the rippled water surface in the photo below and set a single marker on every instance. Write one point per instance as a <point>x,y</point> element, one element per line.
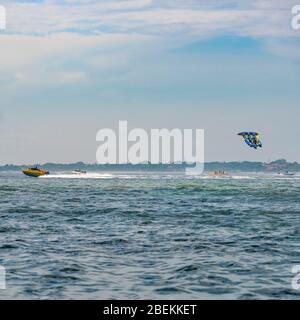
<point>138,236</point>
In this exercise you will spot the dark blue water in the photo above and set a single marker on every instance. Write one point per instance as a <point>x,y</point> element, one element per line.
<point>161,236</point>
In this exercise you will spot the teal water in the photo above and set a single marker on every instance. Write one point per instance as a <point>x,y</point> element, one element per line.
<point>155,235</point>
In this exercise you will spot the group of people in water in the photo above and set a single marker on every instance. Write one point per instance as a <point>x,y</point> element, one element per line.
<point>218,174</point>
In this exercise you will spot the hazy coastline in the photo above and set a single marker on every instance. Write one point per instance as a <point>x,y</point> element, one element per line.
<point>245,166</point>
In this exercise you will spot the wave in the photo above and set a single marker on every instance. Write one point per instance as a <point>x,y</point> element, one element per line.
<point>243,178</point>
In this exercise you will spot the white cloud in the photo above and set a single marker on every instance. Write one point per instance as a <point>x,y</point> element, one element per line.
<point>60,57</point>
<point>71,77</point>
<point>19,50</point>
<point>110,33</point>
<point>192,17</point>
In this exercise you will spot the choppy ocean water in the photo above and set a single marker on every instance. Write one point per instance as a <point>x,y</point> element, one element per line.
<point>154,235</point>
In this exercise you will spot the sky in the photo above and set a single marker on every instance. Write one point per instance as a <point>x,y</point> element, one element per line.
<point>70,68</point>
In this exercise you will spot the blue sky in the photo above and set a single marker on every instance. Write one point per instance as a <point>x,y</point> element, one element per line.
<point>70,68</point>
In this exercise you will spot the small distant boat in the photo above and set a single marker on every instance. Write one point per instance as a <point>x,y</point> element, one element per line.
<point>218,174</point>
<point>286,174</point>
<point>79,171</point>
<point>35,172</point>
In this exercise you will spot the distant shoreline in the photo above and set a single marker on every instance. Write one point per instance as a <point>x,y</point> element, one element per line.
<point>246,166</point>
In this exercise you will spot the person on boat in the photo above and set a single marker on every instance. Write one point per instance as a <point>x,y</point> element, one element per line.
<point>253,141</point>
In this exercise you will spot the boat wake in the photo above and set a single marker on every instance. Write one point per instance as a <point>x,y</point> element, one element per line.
<point>155,176</point>
<point>79,176</point>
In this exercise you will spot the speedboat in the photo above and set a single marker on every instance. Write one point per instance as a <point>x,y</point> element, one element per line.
<point>287,174</point>
<point>79,171</point>
<point>35,172</point>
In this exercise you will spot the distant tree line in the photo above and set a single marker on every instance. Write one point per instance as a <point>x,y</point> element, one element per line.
<point>278,165</point>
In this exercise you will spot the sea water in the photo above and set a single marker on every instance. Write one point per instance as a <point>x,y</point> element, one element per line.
<point>149,235</point>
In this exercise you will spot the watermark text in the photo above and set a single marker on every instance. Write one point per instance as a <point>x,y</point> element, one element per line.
<point>2,278</point>
<point>161,146</point>
<point>296,17</point>
<point>2,18</point>
<point>296,279</point>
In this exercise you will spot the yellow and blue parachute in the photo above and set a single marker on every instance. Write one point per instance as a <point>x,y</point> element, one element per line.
<point>252,139</point>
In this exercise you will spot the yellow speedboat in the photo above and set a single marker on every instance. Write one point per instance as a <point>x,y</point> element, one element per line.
<point>35,172</point>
